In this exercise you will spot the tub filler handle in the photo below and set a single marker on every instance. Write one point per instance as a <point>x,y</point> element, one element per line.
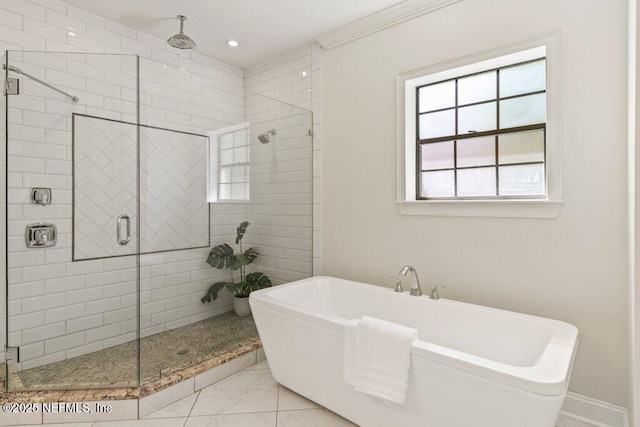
<point>434,292</point>
<point>398,284</point>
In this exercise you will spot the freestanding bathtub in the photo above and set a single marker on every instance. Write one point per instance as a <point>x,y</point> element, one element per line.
<point>472,366</point>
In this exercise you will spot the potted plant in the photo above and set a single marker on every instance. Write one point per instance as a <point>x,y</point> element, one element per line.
<point>222,256</point>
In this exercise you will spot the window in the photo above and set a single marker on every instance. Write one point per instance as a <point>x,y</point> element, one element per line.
<point>229,164</point>
<point>234,166</point>
<point>480,135</point>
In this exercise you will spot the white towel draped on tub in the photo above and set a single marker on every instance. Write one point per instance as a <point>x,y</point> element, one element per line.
<point>377,355</point>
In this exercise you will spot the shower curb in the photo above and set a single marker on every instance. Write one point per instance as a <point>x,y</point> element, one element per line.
<point>128,403</point>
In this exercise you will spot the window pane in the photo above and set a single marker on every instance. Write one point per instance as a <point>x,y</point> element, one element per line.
<point>481,87</point>
<point>523,79</point>
<point>438,184</point>
<point>226,157</point>
<point>521,180</point>
<point>433,125</point>
<point>225,191</point>
<point>225,174</point>
<point>477,182</point>
<point>437,155</point>
<point>477,151</point>
<point>523,111</point>
<point>226,141</point>
<point>237,191</point>
<point>240,138</point>
<point>477,118</point>
<point>237,174</point>
<point>240,154</point>
<point>435,97</point>
<point>521,147</point>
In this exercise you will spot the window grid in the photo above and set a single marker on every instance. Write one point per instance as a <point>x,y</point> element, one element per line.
<point>455,148</point>
<point>455,137</point>
<point>234,151</point>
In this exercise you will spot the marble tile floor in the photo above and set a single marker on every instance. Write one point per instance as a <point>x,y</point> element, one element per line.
<point>250,398</point>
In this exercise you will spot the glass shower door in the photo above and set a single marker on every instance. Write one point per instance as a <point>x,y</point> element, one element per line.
<point>73,276</point>
<point>3,229</point>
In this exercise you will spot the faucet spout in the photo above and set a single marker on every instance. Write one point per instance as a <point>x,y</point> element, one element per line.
<point>415,283</point>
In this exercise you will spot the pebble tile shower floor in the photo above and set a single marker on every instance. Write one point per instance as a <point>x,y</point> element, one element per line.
<point>169,351</point>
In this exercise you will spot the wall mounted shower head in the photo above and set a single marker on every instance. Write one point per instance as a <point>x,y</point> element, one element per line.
<point>180,40</point>
<point>264,138</point>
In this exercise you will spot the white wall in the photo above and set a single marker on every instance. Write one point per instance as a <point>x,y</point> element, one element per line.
<point>89,305</point>
<point>573,268</point>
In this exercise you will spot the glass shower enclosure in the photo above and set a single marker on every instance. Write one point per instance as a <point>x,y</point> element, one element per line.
<point>119,174</point>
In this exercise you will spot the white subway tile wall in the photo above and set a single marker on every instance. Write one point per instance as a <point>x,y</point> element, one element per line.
<point>281,210</point>
<point>58,308</point>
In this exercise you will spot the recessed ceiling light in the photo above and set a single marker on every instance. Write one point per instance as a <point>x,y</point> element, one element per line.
<point>304,73</point>
<point>233,43</point>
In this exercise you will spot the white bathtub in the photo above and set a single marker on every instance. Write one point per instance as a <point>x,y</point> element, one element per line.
<point>471,366</point>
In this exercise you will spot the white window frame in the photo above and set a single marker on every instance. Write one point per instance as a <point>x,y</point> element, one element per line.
<point>213,164</point>
<point>547,207</point>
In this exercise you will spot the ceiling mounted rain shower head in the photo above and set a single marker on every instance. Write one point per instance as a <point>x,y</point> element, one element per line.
<point>180,40</point>
<point>264,138</point>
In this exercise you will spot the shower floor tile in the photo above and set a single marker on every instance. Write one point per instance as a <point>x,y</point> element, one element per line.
<point>170,352</point>
<point>249,398</point>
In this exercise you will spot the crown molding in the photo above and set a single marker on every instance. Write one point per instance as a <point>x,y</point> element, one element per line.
<point>380,20</point>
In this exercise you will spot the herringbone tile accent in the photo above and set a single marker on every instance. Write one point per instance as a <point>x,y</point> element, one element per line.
<point>104,186</point>
<point>174,213</point>
<point>173,190</point>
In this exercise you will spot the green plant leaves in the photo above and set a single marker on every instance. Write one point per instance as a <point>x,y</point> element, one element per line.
<point>251,254</point>
<point>221,256</point>
<point>238,289</point>
<point>253,282</point>
<point>257,280</point>
<point>244,259</point>
<point>242,228</point>
<point>212,293</point>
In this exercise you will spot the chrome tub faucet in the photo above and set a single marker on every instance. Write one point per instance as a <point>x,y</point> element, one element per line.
<point>415,283</point>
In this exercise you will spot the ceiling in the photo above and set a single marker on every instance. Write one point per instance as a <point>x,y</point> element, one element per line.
<point>264,28</point>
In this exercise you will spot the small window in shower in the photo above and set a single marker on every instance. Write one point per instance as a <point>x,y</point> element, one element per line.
<point>229,164</point>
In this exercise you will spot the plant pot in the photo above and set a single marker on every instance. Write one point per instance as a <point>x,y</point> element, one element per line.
<point>241,306</point>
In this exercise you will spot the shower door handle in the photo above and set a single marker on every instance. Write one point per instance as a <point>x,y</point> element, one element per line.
<point>119,230</point>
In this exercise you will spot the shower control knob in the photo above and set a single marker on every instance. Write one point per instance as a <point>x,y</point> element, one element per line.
<point>40,196</point>
<point>40,235</point>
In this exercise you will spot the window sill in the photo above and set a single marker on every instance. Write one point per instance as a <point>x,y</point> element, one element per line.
<point>483,208</point>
